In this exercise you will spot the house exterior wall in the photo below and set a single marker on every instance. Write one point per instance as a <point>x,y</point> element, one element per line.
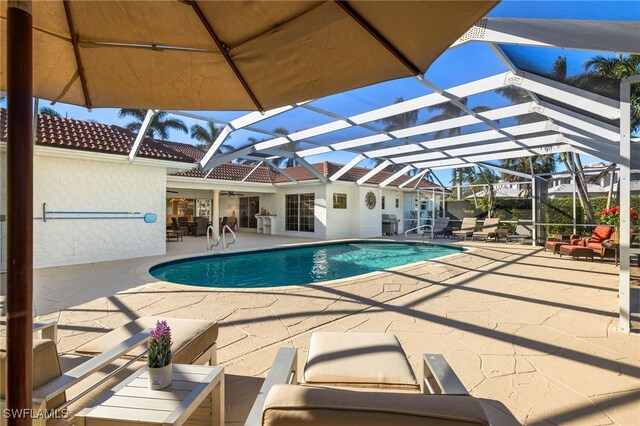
<point>70,184</point>
<point>342,223</point>
<point>276,205</point>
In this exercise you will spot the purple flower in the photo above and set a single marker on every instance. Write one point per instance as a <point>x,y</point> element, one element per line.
<point>162,330</point>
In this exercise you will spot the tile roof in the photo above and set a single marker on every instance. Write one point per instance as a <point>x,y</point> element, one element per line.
<point>184,148</point>
<point>235,172</point>
<point>96,137</point>
<point>328,168</point>
<point>111,139</point>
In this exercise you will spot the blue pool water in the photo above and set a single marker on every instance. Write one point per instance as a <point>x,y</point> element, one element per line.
<point>295,265</point>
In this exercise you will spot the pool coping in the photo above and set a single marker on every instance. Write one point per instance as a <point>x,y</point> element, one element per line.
<point>143,270</point>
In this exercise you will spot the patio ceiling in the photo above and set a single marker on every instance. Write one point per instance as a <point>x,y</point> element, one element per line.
<point>570,119</point>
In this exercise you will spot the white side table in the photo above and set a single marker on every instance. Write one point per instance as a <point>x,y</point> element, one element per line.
<point>195,393</point>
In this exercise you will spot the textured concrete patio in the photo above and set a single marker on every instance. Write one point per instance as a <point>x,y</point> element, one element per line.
<point>535,332</point>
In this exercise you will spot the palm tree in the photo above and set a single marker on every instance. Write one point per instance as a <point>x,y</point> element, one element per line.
<point>485,176</point>
<point>603,74</point>
<point>400,121</point>
<point>45,110</point>
<point>160,126</point>
<point>397,122</point>
<point>449,111</point>
<point>206,135</point>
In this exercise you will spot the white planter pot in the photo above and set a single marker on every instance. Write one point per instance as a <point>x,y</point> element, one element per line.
<point>160,378</point>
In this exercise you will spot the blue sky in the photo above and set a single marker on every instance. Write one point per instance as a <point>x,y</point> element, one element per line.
<point>461,65</point>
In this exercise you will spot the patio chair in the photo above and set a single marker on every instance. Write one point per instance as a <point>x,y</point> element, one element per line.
<point>69,391</point>
<point>194,340</point>
<point>63,381</point>
<point>183,224</point>
<point>201,226</point>
<point>467,228</point>
<point>439,226</point>
<point>523,233</point>
<point>364,379</point>
<point>223,222</point>
<point>175,228</point>
<point>232,222</point>
<point>489,229</point>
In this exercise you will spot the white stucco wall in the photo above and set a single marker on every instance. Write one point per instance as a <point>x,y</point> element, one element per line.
<point>342,223</point>
<point>277,205</point>
<point>70,184</point>
<point>369,220</point>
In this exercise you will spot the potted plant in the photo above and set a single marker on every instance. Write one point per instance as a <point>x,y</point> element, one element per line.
<point>612,217</point>
<point>160,371</point>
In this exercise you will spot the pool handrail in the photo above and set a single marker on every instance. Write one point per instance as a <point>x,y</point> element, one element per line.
<point>217,238</point>
<point>224,237</point>
<point>417,228</point>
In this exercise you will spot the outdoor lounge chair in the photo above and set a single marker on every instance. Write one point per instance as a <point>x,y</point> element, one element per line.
<point>61,381</point>
<point>69,391</point>
<point>388,392</point>
<point>466,229</point>
<point>439,226</point>
<point>523,233</point>
<point>489,229</point>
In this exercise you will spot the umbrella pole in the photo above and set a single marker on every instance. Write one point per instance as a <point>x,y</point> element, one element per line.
<point>19,211</point>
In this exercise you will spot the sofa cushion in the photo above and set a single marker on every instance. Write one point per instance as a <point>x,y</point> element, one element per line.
<point>46,367</point>
<point>191,337</point>
<point>358,359</point>
<point>290,405</point>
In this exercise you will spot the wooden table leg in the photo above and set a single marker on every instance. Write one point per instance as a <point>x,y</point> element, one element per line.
<point>217,404</point>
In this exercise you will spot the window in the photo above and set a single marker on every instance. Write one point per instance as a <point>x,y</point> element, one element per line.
<point>397,203</point>
<point>299,214</point>
<point>382,202</point>
<point>339,201</point>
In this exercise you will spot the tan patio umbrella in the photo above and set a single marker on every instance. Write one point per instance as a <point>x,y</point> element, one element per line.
<point>193,55</point>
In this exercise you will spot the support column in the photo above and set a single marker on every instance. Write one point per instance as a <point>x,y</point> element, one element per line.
<point>19,209</point>
<point>624,185</point>
<point>215,220</point>
<point>534,210</point>
<point>573,194</point>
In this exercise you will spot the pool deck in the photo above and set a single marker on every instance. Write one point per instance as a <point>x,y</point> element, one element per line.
<point>531,330</point>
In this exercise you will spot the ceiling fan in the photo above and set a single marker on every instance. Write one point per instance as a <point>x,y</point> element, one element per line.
<point>232,194</point>
<point>171,192</point>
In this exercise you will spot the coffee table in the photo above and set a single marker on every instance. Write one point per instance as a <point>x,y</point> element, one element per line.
<point>196,393</point>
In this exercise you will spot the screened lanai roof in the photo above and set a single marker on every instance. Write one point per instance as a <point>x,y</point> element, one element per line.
<point>377,125</point>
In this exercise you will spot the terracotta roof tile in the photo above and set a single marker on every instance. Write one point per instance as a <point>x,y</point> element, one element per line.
<point>328,168</point>
<point>111,139</point>
<point>235,172</point>
<point>96,137</point>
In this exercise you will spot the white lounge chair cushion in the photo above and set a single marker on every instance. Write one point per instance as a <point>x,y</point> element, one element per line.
<point>190,338</point>
<point>290,405</point>
<point>358,359</point>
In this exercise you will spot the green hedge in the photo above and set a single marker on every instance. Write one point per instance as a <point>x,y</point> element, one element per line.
<point>560,210</point>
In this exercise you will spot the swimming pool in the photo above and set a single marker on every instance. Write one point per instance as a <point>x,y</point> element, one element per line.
<point>296,265</point>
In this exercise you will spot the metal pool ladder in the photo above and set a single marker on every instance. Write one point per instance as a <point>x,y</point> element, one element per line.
<point>210,234</point>
<point>224,237</point>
